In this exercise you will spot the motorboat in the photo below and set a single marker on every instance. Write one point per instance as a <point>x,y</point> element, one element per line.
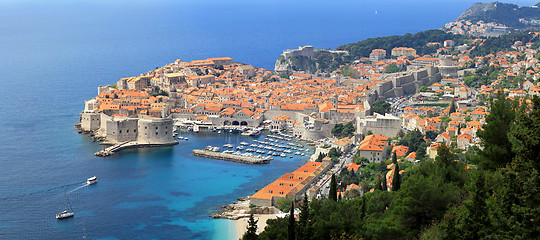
<point>240,148</point>
<point>244,143</point>
<point>91,180</point>
<point>283,155</point>
<point>228,145</point>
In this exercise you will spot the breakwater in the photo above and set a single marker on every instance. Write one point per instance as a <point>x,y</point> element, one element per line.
<point>230,157</point>
<point>126,145</point>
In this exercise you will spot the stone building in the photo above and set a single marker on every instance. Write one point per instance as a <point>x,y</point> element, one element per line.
<point>373,147</point>
<point>377,55</point>
<point>386,125</point>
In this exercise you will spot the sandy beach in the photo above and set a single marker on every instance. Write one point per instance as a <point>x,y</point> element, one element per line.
<point>241,224</point>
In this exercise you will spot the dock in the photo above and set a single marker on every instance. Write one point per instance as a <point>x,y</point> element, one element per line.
<point>230,157</point>
<point>126,145</point>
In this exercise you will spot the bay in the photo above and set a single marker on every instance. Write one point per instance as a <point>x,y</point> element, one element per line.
<point>54,54</point>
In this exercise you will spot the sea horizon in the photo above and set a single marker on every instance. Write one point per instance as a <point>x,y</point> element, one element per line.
<point>56,54</point>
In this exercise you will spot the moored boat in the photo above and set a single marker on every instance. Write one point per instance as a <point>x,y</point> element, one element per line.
<point>68,212</point>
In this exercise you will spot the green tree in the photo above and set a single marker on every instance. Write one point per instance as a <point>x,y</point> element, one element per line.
<point>332,194</point>
<point>381,107</point>
<point>251,233</point>
<point>413,140</point>
<point>275,229</point>
<point>304,231</point>
<point>396,181</point>
<point>292,223</point>
<point>421,151</point>
<point>497,151</point>
<point>392,68</point>
<point>453,106</point>
<point>384,183</point>
<point>394,157</point>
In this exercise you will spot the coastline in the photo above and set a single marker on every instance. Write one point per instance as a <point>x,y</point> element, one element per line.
<point>242,223</point>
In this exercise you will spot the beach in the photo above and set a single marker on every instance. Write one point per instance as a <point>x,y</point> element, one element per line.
<point>242,224</point>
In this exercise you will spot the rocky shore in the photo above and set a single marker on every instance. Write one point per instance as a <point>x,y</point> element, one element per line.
<point>93,135</point>
<point>242,209</point>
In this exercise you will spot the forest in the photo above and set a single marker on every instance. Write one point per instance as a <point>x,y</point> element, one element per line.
<point>442,198</point>
<point>417,41</point>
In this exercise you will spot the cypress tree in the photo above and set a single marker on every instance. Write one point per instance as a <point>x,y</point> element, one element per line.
<point>304,227</point>
<point>378,186</point>
<point>396,181</point>
<point>251,233</point>
<point>292,222</point>
<point>333,191</point>
<point>384,185</point>
<point>452,107</point>
<point>394,158</point>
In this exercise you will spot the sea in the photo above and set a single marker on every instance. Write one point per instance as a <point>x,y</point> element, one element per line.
<point>54,55</point>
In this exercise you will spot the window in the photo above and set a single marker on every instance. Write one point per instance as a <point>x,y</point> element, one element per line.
<point>127,131</point>
<point>120,131</point>
<point>280,192</point>
<point>156,128</point>
<point>299,177</point>
<point>270,191</point>
<point>145,127</point>
<point>166,133</point>
<point>280,184</point>
<point>290,184</point>
<point>290,177</point>
<point>156,133</point>
<point>134,130</point>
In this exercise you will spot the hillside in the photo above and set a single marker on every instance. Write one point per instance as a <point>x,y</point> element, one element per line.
<point>417,41</point>
<point>504,13</point>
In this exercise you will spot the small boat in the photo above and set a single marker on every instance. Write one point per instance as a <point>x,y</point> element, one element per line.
<point>91,180</point>
<point>244,143</point>
<point>219,132</point>
<point>283,155</point>
<point>240,148</point>
<point>186,138</point>
<point>68,212</point>
<point>181,138</point>
<point>228,145</point>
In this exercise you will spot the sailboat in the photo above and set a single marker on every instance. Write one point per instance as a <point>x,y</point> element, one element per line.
<point>67,212</point>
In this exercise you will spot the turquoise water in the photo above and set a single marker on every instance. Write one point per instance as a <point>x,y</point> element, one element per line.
<point>54,54</point>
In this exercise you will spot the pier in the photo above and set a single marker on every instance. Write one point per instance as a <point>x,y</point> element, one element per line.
<point>230,157</point>
<point>125,145</point>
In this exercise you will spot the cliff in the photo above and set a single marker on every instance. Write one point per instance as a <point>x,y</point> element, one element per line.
<point>504,13</point>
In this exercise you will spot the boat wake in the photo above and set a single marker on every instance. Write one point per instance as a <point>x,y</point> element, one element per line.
<point>85,184</point>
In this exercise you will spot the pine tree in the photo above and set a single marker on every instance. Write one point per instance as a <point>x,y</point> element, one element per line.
<point>497,150</point>
<point>251,233</point>
<point>332,194</point>
<point>394,158</point>
<point>396,181</point>
<point>292,223</point>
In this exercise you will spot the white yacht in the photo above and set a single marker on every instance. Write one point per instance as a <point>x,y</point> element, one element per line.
<point>68,212</point>
<point>91,180</point>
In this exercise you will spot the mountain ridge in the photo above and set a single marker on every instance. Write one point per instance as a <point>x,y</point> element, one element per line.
<point>504,13</point>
